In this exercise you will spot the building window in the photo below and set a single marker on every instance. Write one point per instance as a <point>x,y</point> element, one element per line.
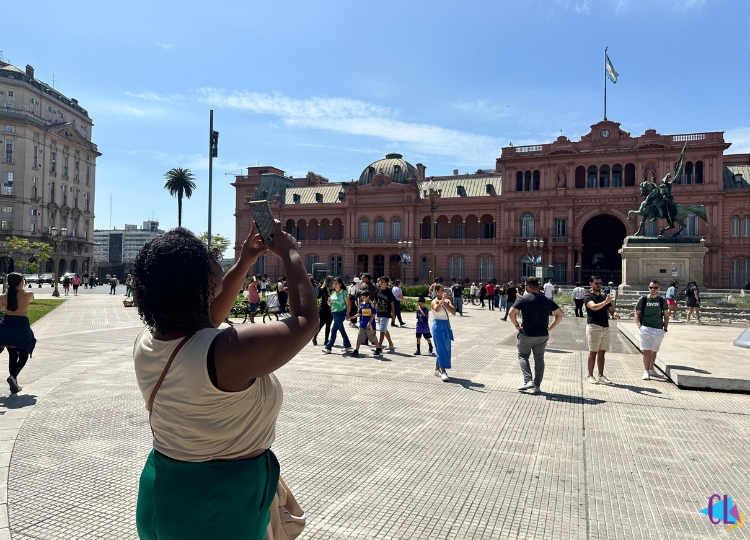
<point>8,151</point>
<point>8,185</point>
<point>735,228</point>
<point>378,265</point>
<point>321,229</point>
<point>485,268</point>
<point>380,228</point>
<point>459,230</point>
<point>424,267</point>
<point>592,177</point>
<point>604,176</point>
<point>560,272</point>
<point>10,129</point>
<point>527,225</point>
<point>11,93</point>
<point>86,199</point>
<point>86,235</point>
<point>363,264</point>
<point>488,229</point>
<point>561,228</point>
<point>527,181</point>
<point>746,226</point>
<point>311,259</point>
<point>537,181</point>
<point>6,225</point>
<point>87,175</point>
<point>65,166</point>
<point>617,176</point>
<point>734,272</point>
<point>456,267</point>
<point>396,228</point>
<point>519,181</point>
<point>698,172</point>
<point>691,223</point>
<point>36,156</point>
<point>7,211</point>
<point>32,227</point>
<point>76,167</point>
<point>688,173</point>
<point>364,229</point>
<point>51,192</point>
<point>53,162</point>
<point>65,196</point>
<point>260,264</point>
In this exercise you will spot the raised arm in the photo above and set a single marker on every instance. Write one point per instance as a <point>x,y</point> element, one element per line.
<point>254,350</point>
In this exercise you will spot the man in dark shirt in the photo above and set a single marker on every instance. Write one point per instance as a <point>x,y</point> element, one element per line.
<point>458,297</point>
<point>510,298</point>
<point>385,304</point>
<point>533,333</point>
<point>598,306</point>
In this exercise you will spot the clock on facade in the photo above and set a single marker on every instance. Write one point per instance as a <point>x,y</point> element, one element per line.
<point>380,181</point>
<point>604,133</point>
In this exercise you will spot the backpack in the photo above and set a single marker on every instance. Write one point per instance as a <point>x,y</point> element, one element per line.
<point>661,305</point>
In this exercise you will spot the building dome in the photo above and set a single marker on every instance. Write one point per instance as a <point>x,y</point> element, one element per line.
<point>393,165</point>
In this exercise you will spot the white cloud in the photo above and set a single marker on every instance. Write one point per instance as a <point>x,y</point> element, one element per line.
<point>165,46</point>
<point>128,110</point>
<point>194,162</point>
<point>740,139</point>
<point>357,117</point>
<point>153,96</point>
<point>579,6</point>
<point>484,108</point>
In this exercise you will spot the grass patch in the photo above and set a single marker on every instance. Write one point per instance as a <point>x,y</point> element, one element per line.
<point>39,308</point>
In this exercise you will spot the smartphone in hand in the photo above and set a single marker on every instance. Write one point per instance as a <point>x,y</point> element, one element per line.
<point>263,218</point>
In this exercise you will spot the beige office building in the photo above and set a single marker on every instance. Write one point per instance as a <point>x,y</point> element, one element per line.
<point>47,168</point>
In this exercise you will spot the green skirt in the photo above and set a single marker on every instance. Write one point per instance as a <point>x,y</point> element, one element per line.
<point>221,500</point>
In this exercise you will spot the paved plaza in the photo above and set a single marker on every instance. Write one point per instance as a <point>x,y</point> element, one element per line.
<point>379,448</point>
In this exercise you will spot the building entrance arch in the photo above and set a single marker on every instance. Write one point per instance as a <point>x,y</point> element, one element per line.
<point>602,237</point>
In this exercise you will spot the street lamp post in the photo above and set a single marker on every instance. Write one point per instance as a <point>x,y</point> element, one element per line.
<point>404,248</point>
<point>57,238</point>
<point>534,251</point>
<point>432,192</point>
<point>577,276</point>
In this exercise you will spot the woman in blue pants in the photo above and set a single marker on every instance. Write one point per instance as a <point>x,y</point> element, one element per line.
<point>442,334</point>
<point>340,305</point>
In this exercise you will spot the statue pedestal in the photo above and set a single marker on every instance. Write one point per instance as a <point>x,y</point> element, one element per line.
<point>664,259</point>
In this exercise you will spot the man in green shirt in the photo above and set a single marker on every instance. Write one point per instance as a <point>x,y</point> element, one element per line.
<point>652,318</point>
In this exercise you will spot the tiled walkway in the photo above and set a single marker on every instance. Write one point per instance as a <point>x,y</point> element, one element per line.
<point>379,448</point>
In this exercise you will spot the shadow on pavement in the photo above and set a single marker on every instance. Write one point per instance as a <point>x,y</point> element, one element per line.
<point>14,401</point>
<point>566,398</point>
<point>466,383</point>
<point>558,351</point>
<point>686,368</point>
<point>651,392</point>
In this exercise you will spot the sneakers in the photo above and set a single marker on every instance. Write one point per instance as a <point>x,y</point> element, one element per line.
<point>391,348</point>
<point>604,380</point>
<point>14,388</point>
<point>417,352</point>
<point>403,324</point>
<point>646,376</point>
<point>591,380</point>
<point>437,373</point>
<point>393,325</point>
<point>535,390</point>
<point>430,352</point>
<point>444,377</point>
<point>526,386</point>
<point>355,353</point>
<point>653,373</point>
<point>378,352</point>
<point>327,351</point>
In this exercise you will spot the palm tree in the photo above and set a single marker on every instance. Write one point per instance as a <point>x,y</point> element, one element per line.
<point>179,183</point>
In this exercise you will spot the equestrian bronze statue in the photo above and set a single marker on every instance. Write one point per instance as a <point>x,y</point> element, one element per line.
<point>659,204</point>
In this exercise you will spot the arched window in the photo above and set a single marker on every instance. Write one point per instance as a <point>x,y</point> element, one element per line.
<point>363,264</point>
<point>617,176</point>
<point>746,226</point>
<point>426,232</point>
<point>698,172</point>
<point>629,175</point>
<point>380,228</point>
<point>604,176</point>
<point>734,273</point>
<point>592,177</point>
<point>456,267</point>
<point>396,228</point>
<point>335,264</point>
<point>527,181</point>
<point>735,226</point>
<point>580,177</point>
<point>689,172</point>
<point>527,225</point>
<point>536,180</point>
<point>485,268</point>
<point>378,263</point>
<point>364,228</point>
<point>519,181</point>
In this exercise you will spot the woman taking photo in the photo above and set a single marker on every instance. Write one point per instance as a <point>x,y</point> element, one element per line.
<point>15,331</point>
<point>211,393</point>
<point>442,335</point>
<point>340,303</point>
<point>324,311</point>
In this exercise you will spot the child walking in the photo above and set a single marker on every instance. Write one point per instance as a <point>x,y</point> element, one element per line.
<point>366,322</point>
<point>423,326</point>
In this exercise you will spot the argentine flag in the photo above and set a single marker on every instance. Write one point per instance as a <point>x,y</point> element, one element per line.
<point>610,69</point>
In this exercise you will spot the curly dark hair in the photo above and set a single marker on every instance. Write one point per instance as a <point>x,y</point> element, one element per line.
<point>172,280</point>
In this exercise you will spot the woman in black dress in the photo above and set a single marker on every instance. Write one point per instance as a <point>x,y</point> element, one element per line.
<point>15,331</point>
<point>324,311</point>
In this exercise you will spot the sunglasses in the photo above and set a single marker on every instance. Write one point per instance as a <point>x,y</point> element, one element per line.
<point>599,284</point>
<point>650,287</point>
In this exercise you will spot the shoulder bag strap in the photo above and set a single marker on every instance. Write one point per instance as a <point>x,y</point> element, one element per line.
<point>164,374</point>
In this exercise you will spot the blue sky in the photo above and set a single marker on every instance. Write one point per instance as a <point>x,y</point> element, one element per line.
<point>332,86</point>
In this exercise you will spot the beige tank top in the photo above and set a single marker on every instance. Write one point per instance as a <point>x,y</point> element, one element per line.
<point>193,420</point>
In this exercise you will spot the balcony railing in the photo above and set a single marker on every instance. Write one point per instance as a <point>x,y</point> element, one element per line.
<point>328,242</point>
<point>459,241</point>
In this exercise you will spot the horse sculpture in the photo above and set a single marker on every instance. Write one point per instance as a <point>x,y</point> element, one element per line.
<point>659,204</point>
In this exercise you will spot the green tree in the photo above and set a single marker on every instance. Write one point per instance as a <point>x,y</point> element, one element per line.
<point>217,241</point>
<point>180,184</point>
<point>25,250</point>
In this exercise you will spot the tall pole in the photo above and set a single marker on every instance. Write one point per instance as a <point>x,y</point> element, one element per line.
<point>605,82</point>
<point>211,170</point>
<point>433,204</point>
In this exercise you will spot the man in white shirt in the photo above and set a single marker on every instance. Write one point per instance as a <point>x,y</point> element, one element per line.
<point>549,289</point>
<point>399,296</point>
<point>578,293</point>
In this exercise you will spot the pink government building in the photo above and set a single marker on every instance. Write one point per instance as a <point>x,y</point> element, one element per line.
<point>573,195</point>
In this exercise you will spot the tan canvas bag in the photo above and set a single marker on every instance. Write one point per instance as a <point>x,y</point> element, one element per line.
<point>287,518</point>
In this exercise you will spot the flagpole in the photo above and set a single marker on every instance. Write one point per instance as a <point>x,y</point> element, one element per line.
<point>605,82</point>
